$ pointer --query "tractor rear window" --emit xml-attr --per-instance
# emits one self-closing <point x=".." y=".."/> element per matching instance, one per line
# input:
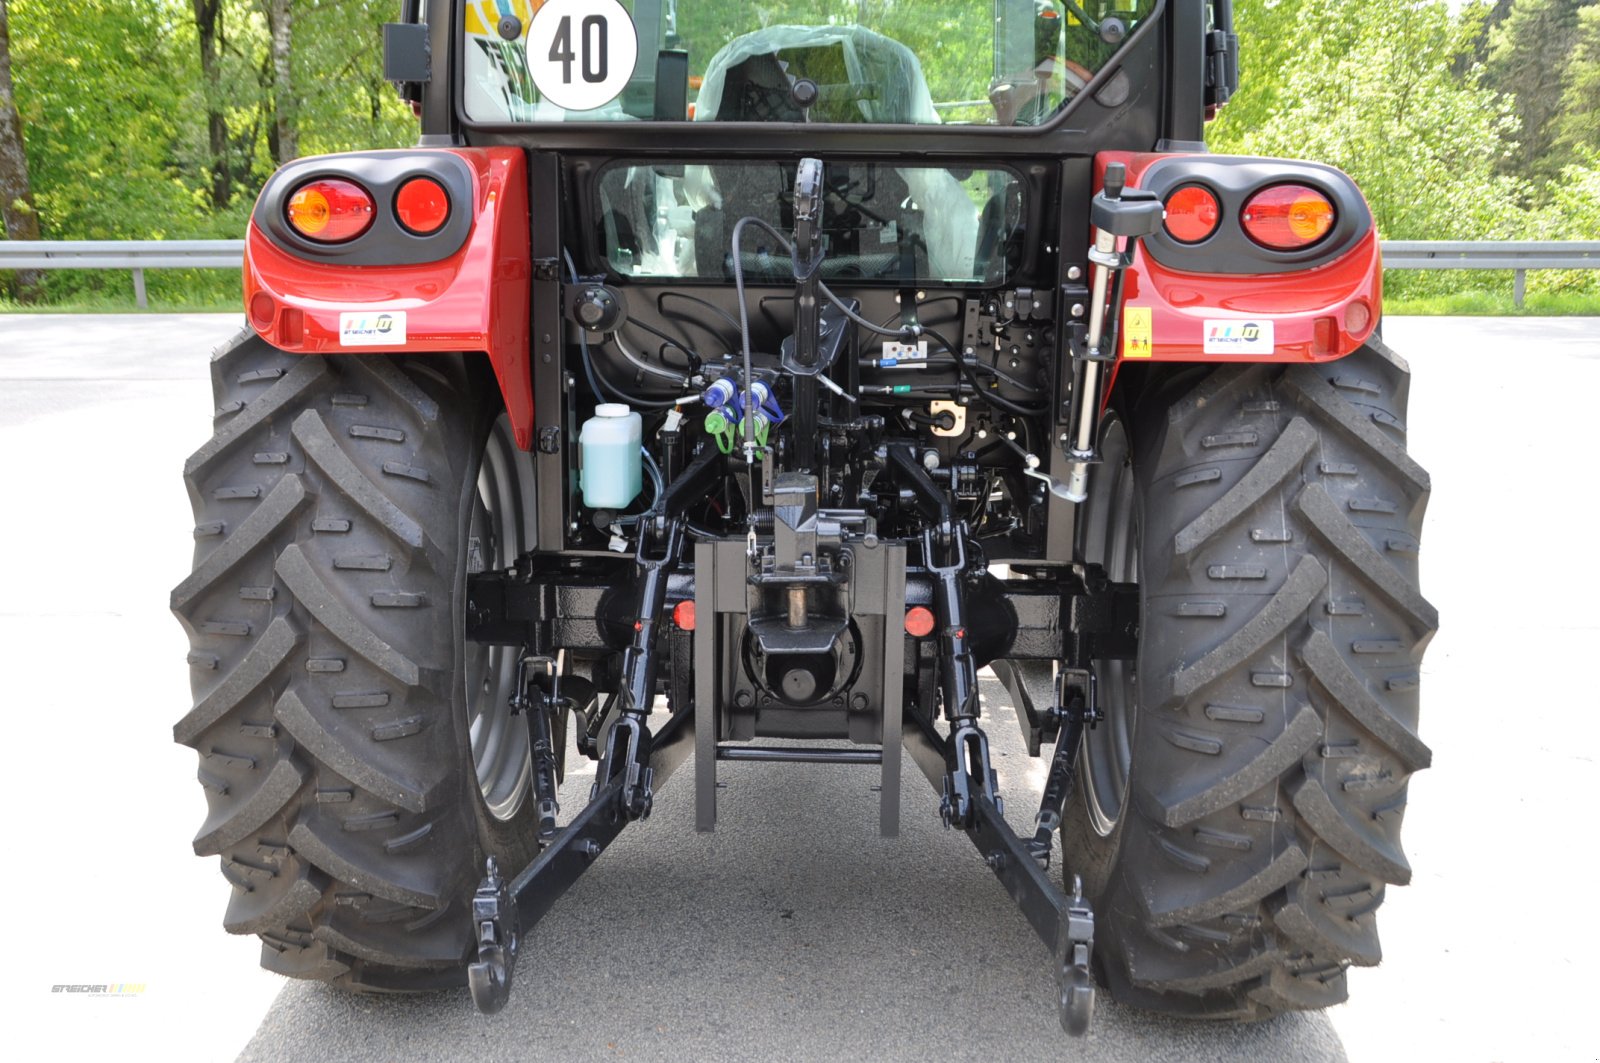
<point x="897" y="62"/>
<point x="880" y="222"/>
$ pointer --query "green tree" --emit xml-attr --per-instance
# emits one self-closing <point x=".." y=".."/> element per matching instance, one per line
<point x="1577" y="124"/>
<point x="95" y="83"/>
<point x="1372" y="91"/>
<point x="1527" y="57"/>
<point x="17" y="217"/>
<point x="342" y="102"/>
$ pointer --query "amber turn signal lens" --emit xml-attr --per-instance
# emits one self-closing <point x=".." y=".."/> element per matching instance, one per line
<point x="1192" y="214"/>
<point x="1287" y="217"/>
<point x="422" y="205"/>
<point x="330" y="210"/>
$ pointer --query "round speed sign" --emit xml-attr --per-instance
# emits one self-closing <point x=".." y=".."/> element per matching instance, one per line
<point x="581" y="52"/>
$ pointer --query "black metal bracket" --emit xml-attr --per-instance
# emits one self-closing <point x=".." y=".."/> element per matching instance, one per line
<point x="1064" y="923"/>
<point x="502" y="912"/>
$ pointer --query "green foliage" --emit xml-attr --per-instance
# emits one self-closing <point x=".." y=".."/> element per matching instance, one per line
<point x="344" y="103"/>
<point x="1373" y="93"/>
<point x="114" y="106"/>
<point x="94" y="85"/>
<point x="1528" y="55"/>
<point x="1577" y="124"/>
<point x="1479" y="121"/>
<point x="1391" y="92"/>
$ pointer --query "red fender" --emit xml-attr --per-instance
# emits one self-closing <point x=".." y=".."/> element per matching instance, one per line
<point x="475" y="300"/>
<point x="1315" y="314"/>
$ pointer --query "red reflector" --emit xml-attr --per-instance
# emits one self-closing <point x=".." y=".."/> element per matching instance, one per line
<point x="919" y="621"/>
<point x="683" y="614"/>
<point x="1287" y="217"/>
<point x="1357" y="316"/>
<point x="262" y="309"/>
<point x="330" y="210"/>
<point x="291" y="327"/>
<point x="1324" y="335"/>
<point x="1192" y="214"/>
<point x="422" y="205"/>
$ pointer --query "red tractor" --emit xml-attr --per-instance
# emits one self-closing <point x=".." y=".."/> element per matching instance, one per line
<point x="740" y="384"/>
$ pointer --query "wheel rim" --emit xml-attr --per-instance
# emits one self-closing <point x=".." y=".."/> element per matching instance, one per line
<point x="500" y="750"/>
<point x="1111" y="526"/>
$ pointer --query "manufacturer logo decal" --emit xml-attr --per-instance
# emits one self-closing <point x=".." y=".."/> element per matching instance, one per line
<point x="1238" y="337"/>
<point x="372" y="328"/>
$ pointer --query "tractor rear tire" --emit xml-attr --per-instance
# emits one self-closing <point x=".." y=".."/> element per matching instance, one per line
<point x="337" y="510"/>
<point x="1242" y="801"/>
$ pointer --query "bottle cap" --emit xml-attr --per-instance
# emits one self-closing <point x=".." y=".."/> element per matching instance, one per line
<point x="612" y="409"/>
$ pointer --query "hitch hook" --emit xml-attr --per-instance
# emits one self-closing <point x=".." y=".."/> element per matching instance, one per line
<point x="494" y="913"/>
<point x="1074" y="945"/>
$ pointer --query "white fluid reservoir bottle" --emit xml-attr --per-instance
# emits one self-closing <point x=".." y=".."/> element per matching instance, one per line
<point x="609" y="446"/>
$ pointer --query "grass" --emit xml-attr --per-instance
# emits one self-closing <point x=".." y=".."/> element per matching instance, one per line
<point x="170" y="291"/>
<point x="1492" y="304"/>
<point x="107" y="305"/>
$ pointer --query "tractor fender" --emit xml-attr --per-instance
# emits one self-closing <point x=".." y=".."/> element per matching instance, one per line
<point x="388" y="290"/>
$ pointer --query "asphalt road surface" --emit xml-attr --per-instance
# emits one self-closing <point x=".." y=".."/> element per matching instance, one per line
<point x="794" y="932"/>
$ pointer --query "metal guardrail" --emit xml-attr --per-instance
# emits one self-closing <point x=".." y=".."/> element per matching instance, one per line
<point x="135" y="255"/>
<point x="1519" y="256"/>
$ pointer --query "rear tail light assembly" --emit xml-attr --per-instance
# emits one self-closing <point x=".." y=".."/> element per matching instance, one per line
<point x="1284" y="217"/>
<point x="386" y="208"/>
<point x="422" y="205"/>
<point x="1192" y="214"/>
<point x="1287" y="217"/>
<point x="330" y="210"/>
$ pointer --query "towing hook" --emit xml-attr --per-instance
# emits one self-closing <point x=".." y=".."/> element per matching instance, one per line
<point x="494" y="914"/>
<point x="1074" y="946"/>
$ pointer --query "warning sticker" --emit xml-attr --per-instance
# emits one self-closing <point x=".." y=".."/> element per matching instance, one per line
<point x="372" y="328"/>
<point x="1136" y="332"/>
<point x="1238" y="337"/>
<point x="581" y="53"/>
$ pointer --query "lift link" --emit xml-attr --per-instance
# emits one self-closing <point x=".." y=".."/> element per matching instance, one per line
<point x="538" y="705"/>
<point x="628" y="747"/>
<point x="969" y="771"/>
<point x="1078" y="709"/>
